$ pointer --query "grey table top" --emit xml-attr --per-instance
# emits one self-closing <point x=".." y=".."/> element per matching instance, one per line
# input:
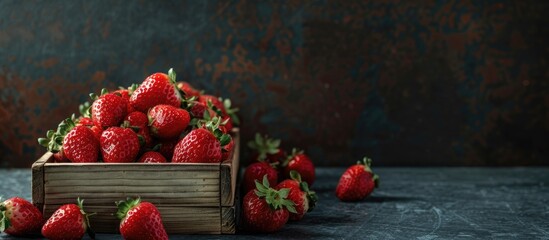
<point x="412" y="203"/>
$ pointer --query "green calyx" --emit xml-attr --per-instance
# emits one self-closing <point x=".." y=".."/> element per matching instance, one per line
<point x="125" y="206"/>
<point x="231" y="111"/>
<point x="311" y="195"/>
<point x="264" y="145"/>
<point x="4" y="221"/>
<point x="85" y="109"/>
<point x="80" y="203"/>
<point x="275" y="199"/>
<point x="54" y="139"/>
<point x="212" y="125"/>
<point x="94" y="96"/>
<point x="367" y="162"/>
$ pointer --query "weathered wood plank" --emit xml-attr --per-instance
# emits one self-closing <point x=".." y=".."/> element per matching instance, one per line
<point x="191" y="190"/>
<point x="132" y="182"/>
<point x="228" y="220"/>
<point x="38" y="179"/>
<point x="130" y="175"/>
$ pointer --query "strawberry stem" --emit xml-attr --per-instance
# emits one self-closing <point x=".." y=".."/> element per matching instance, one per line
<point x="125" y="206"/>
<point x="89" y="230"/>
<point x="264" y="145"/>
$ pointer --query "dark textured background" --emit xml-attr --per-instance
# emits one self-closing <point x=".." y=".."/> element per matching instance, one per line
<point x="407" y="83"/>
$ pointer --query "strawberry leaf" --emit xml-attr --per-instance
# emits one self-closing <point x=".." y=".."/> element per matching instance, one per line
<point x="224" y="139"/>
<point x="4" y="221"/>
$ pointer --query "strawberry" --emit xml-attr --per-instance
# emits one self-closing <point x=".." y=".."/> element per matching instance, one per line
<point x="357" y="182"/>
<point x="304" y="199"/>
<point x="19" y="217"/>
<point x="256" y="171"/>
<point x="156" y="89"/>
<point x="168" y="121"/>
<point x="202" y="145"/>
<point x="84" y="121"/>
<point x="68" y="222"/>
<point x="140" y="220"/>
<point x="301" y="163"/>
<point x="230" y="114"/>
<point x="119" y="145"/>
<point x="108" y="110"/>
<point x="96" y="132"/>
<point x="78" y="143"/>
<point x="189" y="90"/>
<point x="152" y="157"/>
<point x="267" y="149"/>
<point x="140" y="120"/>
<point x="227" y="150"/>
<point x="125" y="94"/>
<point x="59" y="157"/>
<point x="266" y="209"/>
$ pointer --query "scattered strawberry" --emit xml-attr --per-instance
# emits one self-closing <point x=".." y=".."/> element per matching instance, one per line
<point x="256" y="171"/>
<point x="19" y="217"/>
<point x="140" y="220"/>
<point x="108" y="110"/>
<point x="188" y="89"/>
<point x="301" y="163"/>
<point x="78" y="143"/>
<point x="168" y="121"/>
<point x="152" y="157"/>
<point x="266" y="209"/>
<point x="202" y="145"/>
<point x="227" y="150"/>
<point x="156" y="89"/>
<point x="304" y="199"/>
<point x="357" y="182"/>
<point x="68" y="222"/>
<point x="267" y="149"/>
<point x="119" y="145"/>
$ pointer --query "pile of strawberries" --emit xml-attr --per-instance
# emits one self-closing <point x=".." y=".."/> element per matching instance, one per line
<point x="157" y="121"/>
<point x="266" y="208"/>
<point x="138" y="220"/>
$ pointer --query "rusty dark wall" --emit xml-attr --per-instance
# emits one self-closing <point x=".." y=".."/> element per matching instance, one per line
<point x="407" y="83"/>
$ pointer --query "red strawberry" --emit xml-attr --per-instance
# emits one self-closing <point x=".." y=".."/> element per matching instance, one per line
<point x="256" y="171"/>
<point x="126" y="94"/>
<point x="267" y="149"/>
<point x="202" y="145"/>
<point x="80" y="145"/>
<point x="227" y="151"/>
<point x="156" y="89"/>
<point x="266" y="209"/>
<point x="84" y="121"/>
<point x="304" y="199"/>
<point x="301" y="163"/>
<point x="78" y="142"/>
<point x="108" y="110"/>
<point x="19" y="217"/>
<point x="188" y="90"/>
<point x="152" y="157"/>
<point x="96" y="132"/>
<point x="357" y="182"/>
<point x="214" y="101"/>
<point x="60" y="157"/>
<point x="68" y="222"/>
<point x="167" y="147"/>
<point x="167" y="121"/>
<point x="119" y="145"/>
<point x="140" y="120"/>
<point x="140" y="220"/>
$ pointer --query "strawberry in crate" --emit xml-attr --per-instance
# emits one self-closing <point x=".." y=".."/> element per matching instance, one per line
<point x="123" y="125"/>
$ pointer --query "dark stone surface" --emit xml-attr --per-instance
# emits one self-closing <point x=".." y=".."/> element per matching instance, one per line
<point x="412" y="203"/>
<point x="404" y="82"/>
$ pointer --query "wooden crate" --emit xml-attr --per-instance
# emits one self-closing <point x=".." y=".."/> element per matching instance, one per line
<point x="192" y="198"/>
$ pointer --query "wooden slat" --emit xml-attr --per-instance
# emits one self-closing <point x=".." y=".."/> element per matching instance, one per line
<point x="150" y="167"/>
<point x="171" y="201"/>
<point x="130" y="175"/>
<point x="228" y="173"/>
<point x="38" y="179"/>
<point x="186" y="189"/>
<point x="133" y="182"/>
<point x="228" y="220"/>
